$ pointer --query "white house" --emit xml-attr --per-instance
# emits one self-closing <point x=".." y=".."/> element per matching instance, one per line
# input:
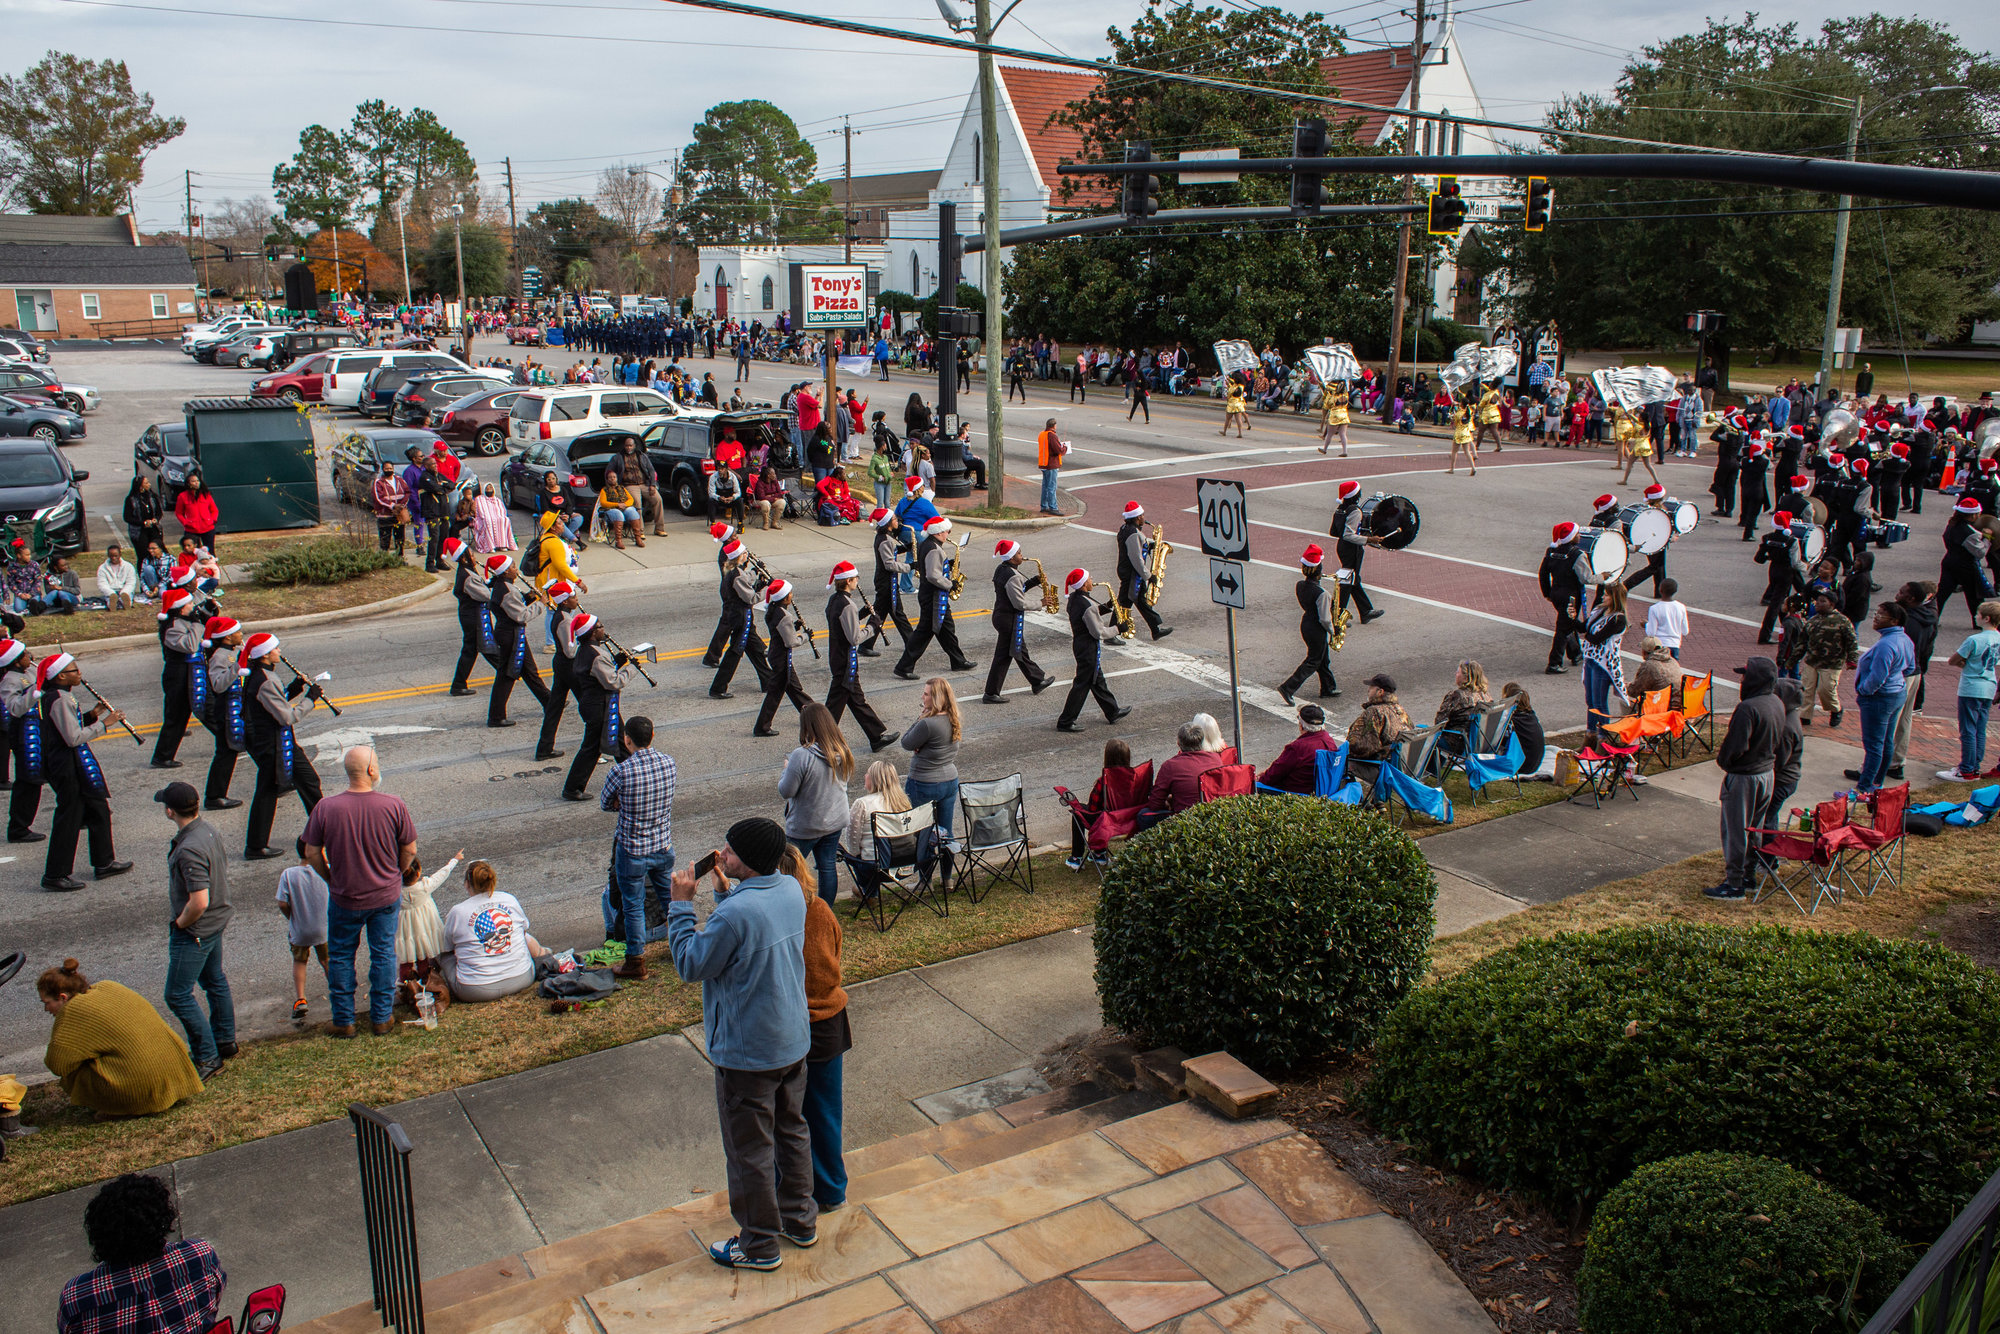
<point x="753" y="282"/>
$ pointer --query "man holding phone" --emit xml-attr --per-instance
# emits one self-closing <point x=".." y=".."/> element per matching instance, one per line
<point x="640" y="788"/>
<point x="750" y="960"/>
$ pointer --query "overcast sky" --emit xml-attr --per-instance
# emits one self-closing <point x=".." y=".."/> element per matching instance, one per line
<point x="570" y="89"/>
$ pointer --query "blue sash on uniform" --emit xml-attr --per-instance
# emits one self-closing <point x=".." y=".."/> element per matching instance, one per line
<point x="92" y="774"/>
<point x="31" y="747"/>
<point x="520" y="651"/>
<point x="612" y="726"/>
<point x="232" y="718"/>
<point x="487" y="643"/>
<point x="1020" y="632"/>
<point x="287" y="755"/>
<point x="198" y="684"/>
<point x="853" y="665"/>
<point x="749" y="628"/>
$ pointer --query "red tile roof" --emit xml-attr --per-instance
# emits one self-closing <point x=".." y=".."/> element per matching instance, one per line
<point x="1367" y="76"/>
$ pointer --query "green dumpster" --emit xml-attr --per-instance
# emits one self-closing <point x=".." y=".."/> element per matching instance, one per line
<point x="257" y="456"/>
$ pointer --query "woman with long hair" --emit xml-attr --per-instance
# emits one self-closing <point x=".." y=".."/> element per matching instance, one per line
<point x="197" y="512"/>
<point x="1469" y="693"/>
<point x="933" y="742"/>
<point x="814" y="786"/>
<point x="143" y="513"/>
<point x="826" y="1012"/>
<point x="1603" y="667"/>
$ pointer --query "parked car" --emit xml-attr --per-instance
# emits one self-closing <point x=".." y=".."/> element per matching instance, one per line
<point x="581" y="456"/>
<point x="254" y="347"/>
<point x="300" y="380"/>
<point x="18" y="346"/>
<point x="226" y="325"/>
<point x="348" y="369"/>
<point x="33" y="382"/>
<point x="40" y="418"/>
<point x="477" y="423"/>
<point x="208" y="347"/>
<point x="360" y="455"/>
<point x="431" y="391"/>
<point x="296" y="343"/>
<point x="380" y="386"/>
<point x="164" y="453"/>
<point x="557" y="413"/>
<point x="679" y="447"/>
<point x="528" y="335"/>
<point x="35" y="478"/>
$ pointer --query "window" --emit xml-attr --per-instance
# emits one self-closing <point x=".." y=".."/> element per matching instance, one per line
<point x="159" y="305"/>
<point x="768" y="293"/>
<point x="91" y="310"/>
<point x="570" y="409"/>
<point x="916" y="276"/>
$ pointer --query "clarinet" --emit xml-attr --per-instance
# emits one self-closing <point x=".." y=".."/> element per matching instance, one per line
<point x="308" y="680"/>
<point x="112" y="708"/>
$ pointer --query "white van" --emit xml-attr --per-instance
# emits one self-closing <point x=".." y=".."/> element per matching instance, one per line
<point x="346" y="369"/>
<point x="557" y="412"/>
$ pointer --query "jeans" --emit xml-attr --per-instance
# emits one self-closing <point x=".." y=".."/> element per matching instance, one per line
<point x="1596" y="694"/>
<point x="59" y="600"/>
<point x="192" y="963"/>
<point x="630" y="515"/>
<point x="344" y="929"/>
<point x="1972" y="715"/>
<point x="882" y="495"/>
<point x="944" y="794"/>
<point x="633" y="872"/>
<point x="822" y="1110"/>
<point x="1878" y="736"/>
<point x="1049" y="478"/>
<point x="824" y="853"/>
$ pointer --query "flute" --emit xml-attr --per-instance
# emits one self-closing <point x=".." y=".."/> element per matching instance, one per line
<point x="112" y="708"/>
<point x="324" y="676"/>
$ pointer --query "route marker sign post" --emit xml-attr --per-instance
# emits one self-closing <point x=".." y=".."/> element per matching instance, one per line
<point x="1225" y="539"/>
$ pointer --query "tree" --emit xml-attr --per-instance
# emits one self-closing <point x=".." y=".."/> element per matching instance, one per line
<point x="320" y="184"/>
<point x="748" y="176"/>
<point x="561" y="231"/>
<point x="384" y="153"/>
<point x="629" y="204"/>
<point x="74" y="135"/>
<point x="1289" y="283"/>
<point x="1623" y="261"/>
<point x="360" y="268"/>
<point x="485" y="262"/>
<point x="374" y="142"/>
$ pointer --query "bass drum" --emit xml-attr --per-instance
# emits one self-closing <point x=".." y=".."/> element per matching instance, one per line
<point x="1812" y="541"/>
<point x="1819" y="511"/>
<point x="1394" y="519"/>
<point x="1606" y="550"/>
<point x="1647" y="529"/>
<point x="1685" y="516"/>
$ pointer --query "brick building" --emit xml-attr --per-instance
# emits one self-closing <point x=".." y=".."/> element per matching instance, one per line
<point x="74" y="277"/>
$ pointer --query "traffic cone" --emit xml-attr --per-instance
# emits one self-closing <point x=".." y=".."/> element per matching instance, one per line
<point x="1950" y="475"/>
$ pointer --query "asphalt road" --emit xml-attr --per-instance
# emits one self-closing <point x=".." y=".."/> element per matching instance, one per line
<point x="1465" y="590"/>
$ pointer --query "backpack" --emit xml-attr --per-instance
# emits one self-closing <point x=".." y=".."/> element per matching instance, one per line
<point x="531" y="558"/>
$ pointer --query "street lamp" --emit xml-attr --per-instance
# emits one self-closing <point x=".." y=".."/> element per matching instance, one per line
<point x="464" y="316"/>
<point x="1840" y="228"/>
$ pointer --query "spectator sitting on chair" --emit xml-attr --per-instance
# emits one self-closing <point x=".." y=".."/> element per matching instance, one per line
<point x="1461" y="705"/>
<point x="1177" y="785"/>
<point x="1657" y="671"/>
<point x="1297" y="767"/>
<point x="1211" y="733"/>
<point x="1527" y="727"/>
<point x="144" y="1283"/>
<point x="1373" y="735"/>
<point x="885" y="793"/>
<point x="1117" y="755"/>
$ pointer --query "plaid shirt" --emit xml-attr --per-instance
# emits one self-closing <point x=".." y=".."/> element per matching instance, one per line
<point x="641" y="789"/>
<point x="178" y="1293"/>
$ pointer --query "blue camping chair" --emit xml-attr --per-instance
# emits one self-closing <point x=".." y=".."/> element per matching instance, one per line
<point x="1481" y="770"/>
<point x="1330" y="779"/>
<point x="1398" y="784"/>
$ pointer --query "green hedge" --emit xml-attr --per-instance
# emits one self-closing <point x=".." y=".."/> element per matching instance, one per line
<point x="1559" y="1065"/>
<point x="1277" y="928"/>
<point x="1724" y="1243"/>
<point x="325" y="560"/>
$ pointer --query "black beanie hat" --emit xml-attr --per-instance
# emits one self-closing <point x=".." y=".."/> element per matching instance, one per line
<point x="758" y="842"/>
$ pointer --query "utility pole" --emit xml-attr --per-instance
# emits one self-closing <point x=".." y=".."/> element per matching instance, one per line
<point x="513" y="228"/>
<point x="403" y="235"/>
<point x="1406" y="229"/>
<point x="1839" y="261"/>
<point x="673" y="214"/>
<point x="464" y="317"/>
<point x="989" y="260"/>
<point x="847" y="196"/>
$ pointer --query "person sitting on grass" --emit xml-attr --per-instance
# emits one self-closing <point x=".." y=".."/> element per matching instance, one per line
<point x="145" y="1281"/>
<point x="156" y="571"/>
<point x="109" y="1047"/>
<point x="117" y="579"/>
<point x="302" y="899"/>
<point x="64" y="594"/>
<point x="489" y="953"/>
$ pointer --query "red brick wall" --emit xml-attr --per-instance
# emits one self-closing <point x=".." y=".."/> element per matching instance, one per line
<point x="115" y="305"/>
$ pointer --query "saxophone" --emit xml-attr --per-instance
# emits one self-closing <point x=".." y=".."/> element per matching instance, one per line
<point x="1341" y="615"/>
<point x="1051" y="599"/>
<point x="957" y="578"/>
<point x="1156" y="572"/>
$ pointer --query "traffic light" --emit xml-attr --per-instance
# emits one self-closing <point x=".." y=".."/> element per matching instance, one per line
<point x="1308" y="191"/>
<point x="1540" y="200"/>
<point x="1447" y="211"/>
<point x="1139" y="195"/>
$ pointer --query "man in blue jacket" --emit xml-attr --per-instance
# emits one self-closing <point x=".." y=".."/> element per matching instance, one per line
<point x="750" y="960"/>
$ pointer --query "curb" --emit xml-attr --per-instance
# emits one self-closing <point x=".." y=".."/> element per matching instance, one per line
<point x="397" y="603"/>
<point x="1024" y="525"/>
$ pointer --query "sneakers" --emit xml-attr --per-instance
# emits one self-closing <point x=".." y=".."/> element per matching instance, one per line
<point x="1957" y="776"/>
<point x="803" y="1240"/>
<point x="1076" y="863"/>
<point x="731" y="1255"/>
<point x="1726" y="893"/>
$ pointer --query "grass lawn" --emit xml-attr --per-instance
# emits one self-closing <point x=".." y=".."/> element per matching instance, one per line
<point x="289" y="1082"/>
<point x="1931" y="375"/>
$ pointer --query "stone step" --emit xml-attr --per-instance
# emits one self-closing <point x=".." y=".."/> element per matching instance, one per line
<point x="1054" y="1102"/>
<point x="1047" y="1130"/>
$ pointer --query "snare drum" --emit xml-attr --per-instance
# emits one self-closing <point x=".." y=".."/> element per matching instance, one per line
<point x="1887" y="532"/>
<point x="1685" y="515"/>
<point x="1606" y="551"/>
<point x="1646" y="528"/>
<point x="1812" y="540"/>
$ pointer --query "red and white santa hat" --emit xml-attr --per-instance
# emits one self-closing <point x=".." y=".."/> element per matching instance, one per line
<point x="777" y="592"/>
<point x="1781" y="520"/>
<point x="1755" y="449"/>
<point x="1966" y="505"/>
<point x="721" y="532"/>
<point x="880" y="518"/>
<point x="844" y="570"/>
<point x="1005" y="550"/>
<point x="560" y="589"/>
<point x="219" y="627"/>
<point x="1859" y="467"/>
<point x="1561" y="533"/>
<point x="937" y="526"/>
<point x="1133" y="509"/>
<point x="10" y="651"/>
<point x="1607" y="501"/>
<point x="173" y="600"/>
<point x="1655" y="492"/>
<point x="1900" y="450"/>
<point x="257" y="646"/>
<point x="1076" y="579"/>
<point x="1739" y="421"/>
<point x="1800" y="481"/>
<point x="1349" y="489"/>
<point x="183" y="576"/>
<point x="1836" y="458"/>
<point x="732" y="549"/>
<point x="1798" y="431"/>
<point x="581" y="624"/>
<point x="497" y="563"/>
<point x="1312" y="557"/>
<point x="51" y="667"/>
<point x="454" y="550"/>
<point x="1989" y="465"/>
<point x="913" y="484"/>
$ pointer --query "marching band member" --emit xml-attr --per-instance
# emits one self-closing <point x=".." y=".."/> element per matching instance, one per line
<point x="726" y="623"/>
<point x="934" y="608"/>
<point x="844" y="617"/>
<point x="17" y="697"/>
<point x="1655" y="567"/>
<point x="781" y="678"/>
<point x="890" y="567"/>
<point x="1779" y="553"/>
<point x="1728" y="438"/>
<point x="1133" y="553"/>
<point x="1963" y="549"/>
<point x="223" y="716"/>
<point x="180" y="648"/>
<point x="513" y="659"/>
<point x="72" y="773"/>
<point x="1564" y="572"/>
<point x="1604" y="511"/>
<point x="1796" y="498"/>
<point x="598" y="677"/>
<point x="1010" y="617"/>
<point x="1316" y="612"/>
<point x="1090" y="625"/>
<point x="563" y="607"/>
<point x="269" y="715"/>
<point x="465" y="579"/>
<point x="740" y="596"/>
<point x="1889" y="485"/>
<point x="1750" y="484"/>
<point x="1350" y="544"/>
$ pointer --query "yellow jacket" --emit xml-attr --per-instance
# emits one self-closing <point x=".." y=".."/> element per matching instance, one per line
<point x="554" y="553"/>
<point x="1489" y="408"/>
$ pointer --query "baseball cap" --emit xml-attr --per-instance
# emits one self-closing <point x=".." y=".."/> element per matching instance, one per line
<point x="180" y="798"/>
<point x="1312" y="715"/>
<point x="1382" y="680"/>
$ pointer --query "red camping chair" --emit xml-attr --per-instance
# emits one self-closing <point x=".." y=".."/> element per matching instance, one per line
<point x="1228" y="780"/>
<point x="1877" y="841"/>
<point x="1113" y="810"/>
<point x="1602" y="768"/>
<point x="1816" y="854"/>
<point x="263" y="1313"/>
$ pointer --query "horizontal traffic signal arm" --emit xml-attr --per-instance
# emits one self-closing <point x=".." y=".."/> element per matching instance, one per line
<point x="1118" y="222"/>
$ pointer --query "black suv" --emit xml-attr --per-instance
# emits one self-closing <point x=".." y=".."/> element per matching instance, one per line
<point x="433" y="391"/>
<point x="680" y="445"/>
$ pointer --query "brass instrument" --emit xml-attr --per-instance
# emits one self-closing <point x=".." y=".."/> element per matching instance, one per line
<point x="1121" y="615"/>
<point x="1156" y="572"/>
<point x="1341" y="615"/>
<point x="958" y="569"/>
<point x="1051" y="599"/>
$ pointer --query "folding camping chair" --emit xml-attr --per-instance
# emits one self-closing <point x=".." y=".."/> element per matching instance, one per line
<point x="1882" y="837"/>
<point x="1482" y="770"/>
<point x="1228" y="780"/>
<point x="1113" y="810"/>
<point x="904" y="866"/>
<point x="1330" y="780"/>
<point x="1818" y="854"/>
<point x="1697" y="717"/>
<point x="1654" y="728"/>
<point x="1398" y="781"/>
<point x="996" y="836"/>
<point x="1602" y="768"/>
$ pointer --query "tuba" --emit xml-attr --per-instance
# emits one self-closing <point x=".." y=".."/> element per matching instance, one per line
<point x="1156" y="572"/>
<point x="1051" y="599"/>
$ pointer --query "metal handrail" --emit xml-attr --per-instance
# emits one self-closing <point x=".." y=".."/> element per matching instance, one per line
<point x="389" y="1210"/>
<point x="135" y="328"/>
<point x="1943" y="1274"/>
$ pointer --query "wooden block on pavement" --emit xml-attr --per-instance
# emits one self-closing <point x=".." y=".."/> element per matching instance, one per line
<point x="1229" y="1086"/>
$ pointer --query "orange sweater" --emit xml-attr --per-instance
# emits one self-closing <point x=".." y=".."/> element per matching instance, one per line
<point x="825" y="997"/>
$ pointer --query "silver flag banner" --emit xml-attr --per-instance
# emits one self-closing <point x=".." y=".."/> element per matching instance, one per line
<point x="1236" y="355"/>
<point x="1634" y="386"/>
<point x="1474" y="361"/>
<point x="1334" y="361"/>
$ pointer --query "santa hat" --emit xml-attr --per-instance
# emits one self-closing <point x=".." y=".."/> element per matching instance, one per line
<point x="50" y="668"/>
<point x="560" y="589"/>
<point x="844" y="570"/>
<point x="454" y="550"/>
<point x="1755" y="449"/>
<point x="173" y="600"/>
<point x="1076" y="579"/>
<point x="219" y="627"/>
<point x="1838" y="460"/>
<point x="1656" y="492"/>
<point x="1900" y="450"/>
<point x="1966" y="505"/>
<point x="1312" y="556"/>
<point x="1562" y="532"/>
<point x="1005" y="550"/>
<point x="937" y="526"/>
<point x="778" y="591"/>
<point x="1989" y="465"/>
<point x="880" y="518"/>
<point x="497" y="563"/>
<point x="1349" y="489"/>
<point x="721" y="532"/>
<point x="581" y="624"/>
<point x="1859" y="467"/>
<point x="183" y="576"/>
<point x="1798" y="431"/>
<point x="1739" y="421"/>
<point x="1607" y="501"/>
<point x="1799" y="481"/>
<point x="1782" y="519"/>
<point x="913" y="484"/>
<point x="731" y="549"/>
<point x="1134" y="510"/>
<point x="10" y="650"/>
<point x="257" y="646"/>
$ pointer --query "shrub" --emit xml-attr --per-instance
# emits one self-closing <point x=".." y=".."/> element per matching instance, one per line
<point x="325" y="560"/>
<point x="1278" y="928"/>
<point x="1559" y="1065"/>
<point x="1725" y="1243"/>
